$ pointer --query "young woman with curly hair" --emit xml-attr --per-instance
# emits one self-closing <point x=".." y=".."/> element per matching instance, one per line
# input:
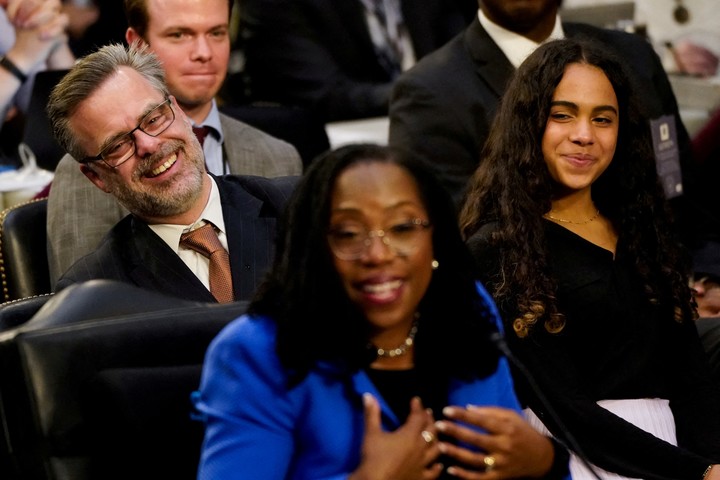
<point x="569" y="227"/>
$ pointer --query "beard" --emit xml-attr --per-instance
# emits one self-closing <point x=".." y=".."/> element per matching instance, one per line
<point x="172" y="197"/>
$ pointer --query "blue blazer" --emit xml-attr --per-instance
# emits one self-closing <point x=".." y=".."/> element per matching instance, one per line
<point x="257" y="428"/>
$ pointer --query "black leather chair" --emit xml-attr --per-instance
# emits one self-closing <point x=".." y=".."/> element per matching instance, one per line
<point x="24" y="269"/>
<point x="97" y="385"/>
<point x="16" y="312"/>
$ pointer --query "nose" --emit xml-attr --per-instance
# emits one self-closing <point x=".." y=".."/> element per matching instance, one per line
<point x="582" y="134"/>
<point x="145" y="145"/>
<point x="202" y="50"/>
<point x="377" y="250"/>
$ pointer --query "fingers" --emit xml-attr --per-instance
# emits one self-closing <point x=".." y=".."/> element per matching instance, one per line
<point x="54" y="27"/>
<point x="371" y="410"/>
<point x="419" y="417"/>
<point x="411" y="451"/>
<point x="506" y="445"/>
<point x="480" y="419"/>
<point x="492" y="420"/>
<point x="32" y="13"/>
<point x="432" y="472"/>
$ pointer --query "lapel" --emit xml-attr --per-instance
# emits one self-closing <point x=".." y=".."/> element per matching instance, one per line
<point x="153" y="265"/>
<point x="361" y="384"/>
<point x="230" y="147"/>
<point x="250" y="237"/>
<point x="490" y="62"/>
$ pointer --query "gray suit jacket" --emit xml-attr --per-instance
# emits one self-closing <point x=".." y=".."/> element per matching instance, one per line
<point x="80" y="214"/>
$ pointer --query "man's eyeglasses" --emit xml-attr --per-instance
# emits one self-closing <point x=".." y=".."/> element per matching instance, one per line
<point x="155" y="122"/>
<point x="351" y="242"/>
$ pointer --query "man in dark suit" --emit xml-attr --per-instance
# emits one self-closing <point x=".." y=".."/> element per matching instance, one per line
<point x="443" y="107"/>
<point x="323" y="54"/>
<point x="114" y="113"/>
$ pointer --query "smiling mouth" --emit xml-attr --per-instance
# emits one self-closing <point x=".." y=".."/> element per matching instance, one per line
<point x="164" y="167"/>
<point x="380" y="288"/>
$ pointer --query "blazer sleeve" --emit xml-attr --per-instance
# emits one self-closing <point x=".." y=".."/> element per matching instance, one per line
<point x="249" y="418"/>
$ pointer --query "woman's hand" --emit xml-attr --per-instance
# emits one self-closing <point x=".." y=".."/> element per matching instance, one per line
<point x="405" y="454"/>
<point x="32" y="13"/>
<point x="511" y="448"/>
<point x="39" y="30"/>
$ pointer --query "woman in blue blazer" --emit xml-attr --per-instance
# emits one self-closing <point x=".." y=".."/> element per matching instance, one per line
<point x="368" y="352"/>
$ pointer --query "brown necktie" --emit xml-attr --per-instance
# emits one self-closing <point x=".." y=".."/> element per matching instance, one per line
<point x="201" y="133"/>
<point x="205" y="241"/>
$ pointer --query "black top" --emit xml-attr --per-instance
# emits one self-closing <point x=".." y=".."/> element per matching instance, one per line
<point x="615" y="345"/>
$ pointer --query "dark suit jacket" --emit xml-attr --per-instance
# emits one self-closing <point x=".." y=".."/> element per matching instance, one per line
<point x="443" y="107"/>
<point x="318" y="53"/>
<point x="131" y="252"/>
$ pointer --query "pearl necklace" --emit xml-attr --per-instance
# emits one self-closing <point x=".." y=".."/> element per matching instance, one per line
<point x="563" y="220"/>
<point x="403" y="348"/>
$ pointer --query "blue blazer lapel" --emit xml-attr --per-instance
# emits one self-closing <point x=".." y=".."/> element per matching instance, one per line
<point x="362" y="384"/>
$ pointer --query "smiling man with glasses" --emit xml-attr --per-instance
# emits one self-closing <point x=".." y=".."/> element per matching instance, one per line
<point x="113" y="111"/>
<point x="191" y="38"/>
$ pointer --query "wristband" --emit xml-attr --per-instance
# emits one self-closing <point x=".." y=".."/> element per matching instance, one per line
<point x="8" y="65"/>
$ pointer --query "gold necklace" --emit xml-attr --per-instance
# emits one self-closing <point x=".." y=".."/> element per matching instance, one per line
<point x="563" y="220"/>
<point x="403" y="347"/>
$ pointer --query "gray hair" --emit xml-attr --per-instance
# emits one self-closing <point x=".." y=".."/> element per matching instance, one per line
<point x="87" y="75"/>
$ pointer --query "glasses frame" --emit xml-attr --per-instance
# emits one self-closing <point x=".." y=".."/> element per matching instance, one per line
<point x="99" y="156"/>
<point x="382" y="235"/>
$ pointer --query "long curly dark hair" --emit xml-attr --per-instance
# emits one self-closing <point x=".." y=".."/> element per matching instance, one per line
<point x="316" y="319"/>
<point x="513" y="188"/>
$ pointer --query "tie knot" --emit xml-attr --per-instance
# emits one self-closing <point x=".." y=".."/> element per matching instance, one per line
<point x="201" y="133"/>
<point x="203" y="240"/>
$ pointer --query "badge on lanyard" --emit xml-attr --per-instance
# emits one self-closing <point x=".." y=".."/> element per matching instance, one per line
<point x="667" y="155"/>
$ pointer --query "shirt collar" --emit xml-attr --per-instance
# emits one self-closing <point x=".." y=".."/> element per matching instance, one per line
<point x="212" y="213"/>
<point x="516" y="47"/>
<point x="213" y="121"/>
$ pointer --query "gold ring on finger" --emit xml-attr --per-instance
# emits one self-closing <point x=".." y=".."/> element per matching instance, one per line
<point x="429" y="437"/>
<point x="489" y="462"/>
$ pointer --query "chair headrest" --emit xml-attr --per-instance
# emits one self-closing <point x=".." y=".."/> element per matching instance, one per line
<point x="98" y="299"/>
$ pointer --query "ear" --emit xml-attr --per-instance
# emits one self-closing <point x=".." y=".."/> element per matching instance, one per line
<point x="93" y="176"/>
<point x="131" y="36"/>
<point x="179" y="112"/>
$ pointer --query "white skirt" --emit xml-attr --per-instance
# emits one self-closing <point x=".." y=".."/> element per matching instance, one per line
<point x="650" y="414"/>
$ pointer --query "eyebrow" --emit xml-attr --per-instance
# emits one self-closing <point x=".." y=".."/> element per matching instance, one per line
<point x="396" y="206"/>
<point x="574" y="106"/>
<point x="118" y="136"/>
<point x="192" y="30"/>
